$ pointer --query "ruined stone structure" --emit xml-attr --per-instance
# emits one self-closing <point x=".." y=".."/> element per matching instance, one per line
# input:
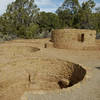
<point x="74" y="39"/>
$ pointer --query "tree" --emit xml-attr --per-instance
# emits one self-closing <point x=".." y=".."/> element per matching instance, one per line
<point x="72" y="5"/>
<point x="97" y="10"/>
<point x="48" y="21"/>
<point x="22" y="18"/>
<point x="66" y="18"/>
<point x="32" y="30"/>
<point x="97" y="19"/>
<point x="77" y="16"/>
<point x="67" y="12"/>
<point x="85" y="15"/>
<point x="19" y="15"/>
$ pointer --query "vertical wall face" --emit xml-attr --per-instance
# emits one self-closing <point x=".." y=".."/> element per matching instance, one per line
<point x="90" y="37"/>
<point x="87" y="37"/>
<point x="73" y="38"/>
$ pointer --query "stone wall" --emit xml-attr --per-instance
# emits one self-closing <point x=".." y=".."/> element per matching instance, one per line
<point x="73" y="38"/>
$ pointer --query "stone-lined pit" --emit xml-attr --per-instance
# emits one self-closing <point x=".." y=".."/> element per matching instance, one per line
<point x="18" y="49"/>
<point x="55" y="74"/>
<point x="39" y="74"/>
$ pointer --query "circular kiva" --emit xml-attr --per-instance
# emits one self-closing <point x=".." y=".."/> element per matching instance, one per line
<point x="19" y="49"/>
<point x="42" y="74"/>
<point x="38" y="74"/>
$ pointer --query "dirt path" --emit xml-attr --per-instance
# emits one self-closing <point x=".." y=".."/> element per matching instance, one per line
<point x="89" y="89"/>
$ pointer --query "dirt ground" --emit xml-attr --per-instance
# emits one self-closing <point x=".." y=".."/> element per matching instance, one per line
<point x="18" y="54"/>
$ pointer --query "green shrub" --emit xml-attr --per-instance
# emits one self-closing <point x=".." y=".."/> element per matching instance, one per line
<point x="31" y="31"/>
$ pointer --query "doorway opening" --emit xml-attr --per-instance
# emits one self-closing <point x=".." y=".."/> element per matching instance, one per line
<point x="82" y="37"/>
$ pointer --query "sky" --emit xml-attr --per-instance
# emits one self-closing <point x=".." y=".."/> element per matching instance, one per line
<point x="44" y="5"/>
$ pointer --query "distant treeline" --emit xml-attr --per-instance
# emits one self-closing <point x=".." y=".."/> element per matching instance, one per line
<point x="23" y="19"/>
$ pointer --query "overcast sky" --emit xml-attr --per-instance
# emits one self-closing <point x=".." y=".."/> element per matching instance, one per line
<point x="44" y="5"/>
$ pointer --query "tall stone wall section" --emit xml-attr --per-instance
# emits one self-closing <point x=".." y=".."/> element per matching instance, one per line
<point x="71" y="38"/>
